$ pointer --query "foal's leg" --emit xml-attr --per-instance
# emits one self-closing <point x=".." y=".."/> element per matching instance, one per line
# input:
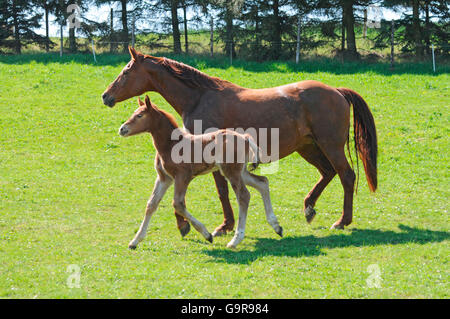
<point x="261" y="183"/>
<point x="243" y="198"/>
<point x="161" y="185"/>
<point x="222" y="189"/>
<point x="179" y="204"/>
<point x="182" y="225"/>
<point x="315" y="156"/>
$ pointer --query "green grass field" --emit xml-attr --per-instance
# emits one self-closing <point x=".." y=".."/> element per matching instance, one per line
<point x="73" y="192"/>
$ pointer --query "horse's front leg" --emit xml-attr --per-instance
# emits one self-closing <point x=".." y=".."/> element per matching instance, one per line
<point x="222" y="189"/>
<point x="160" y="188"/>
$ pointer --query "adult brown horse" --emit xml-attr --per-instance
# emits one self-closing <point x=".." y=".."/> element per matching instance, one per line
<point x="313" y="119"/>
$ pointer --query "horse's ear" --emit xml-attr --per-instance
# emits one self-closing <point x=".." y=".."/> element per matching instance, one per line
<point x="133" y="53"/>
<point x="140" y="101"/>
<point x="147" y="102"/>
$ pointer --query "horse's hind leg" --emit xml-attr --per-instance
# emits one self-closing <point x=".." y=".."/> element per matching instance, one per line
<point x="243" y="198"/>
<point x="222" y="189"/>
<point x="261" y="184"/>
<point x="336" y="156"/>
<point x="314" y="156"/>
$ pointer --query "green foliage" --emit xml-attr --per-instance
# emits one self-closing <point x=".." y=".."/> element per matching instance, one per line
<point x="18" y="19"/>
<point x="72" y="192"/>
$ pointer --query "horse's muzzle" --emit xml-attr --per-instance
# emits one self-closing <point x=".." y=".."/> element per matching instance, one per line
<point x="123" y="130"/>
<point x="108" y="100"/>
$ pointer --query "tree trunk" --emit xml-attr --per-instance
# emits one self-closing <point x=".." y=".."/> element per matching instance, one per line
<point x="416" y="30"/>
<point x="17" y="44"/>
<point x="349" y="19"/>
<point x="343" y="34"/>
<point x="257" y="35"/>
<point x="427" y="27"/>
<point x="186" y="43"/>
<point x="276" y="40"/>
<point x="72" y="40"/>
<point x="111" y="31"/>
<point x="175" y="27"/>
<point x="125" y="39"/>
<point x="229" y="46"/>
<point x="47" y="37"/>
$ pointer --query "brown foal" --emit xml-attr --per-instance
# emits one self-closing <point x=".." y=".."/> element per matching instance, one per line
<point x="173" y="169"/>
<point x="313" y="120"/>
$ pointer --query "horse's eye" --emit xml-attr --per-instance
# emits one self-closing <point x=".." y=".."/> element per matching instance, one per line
<point x="139" y="115"/>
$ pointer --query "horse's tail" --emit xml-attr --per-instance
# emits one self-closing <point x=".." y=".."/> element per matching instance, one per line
<point x="253" y="155"/>
<point x="365" y="135"/>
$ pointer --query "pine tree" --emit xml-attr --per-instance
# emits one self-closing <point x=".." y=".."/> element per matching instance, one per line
<point x="18" y="18"/>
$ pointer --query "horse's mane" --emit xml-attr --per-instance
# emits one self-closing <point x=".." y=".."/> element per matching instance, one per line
<point x="190" y="75"/>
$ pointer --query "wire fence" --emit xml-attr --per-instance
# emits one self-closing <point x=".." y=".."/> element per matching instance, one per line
<point x="305" y="40"/>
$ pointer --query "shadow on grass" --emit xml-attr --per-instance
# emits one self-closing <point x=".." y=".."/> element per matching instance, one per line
<point x="299" y="246"/>
<point x="320" y="64"/>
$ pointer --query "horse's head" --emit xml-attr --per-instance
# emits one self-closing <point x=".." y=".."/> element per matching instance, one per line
<point x="132" y="81"/>
<point x="141" y="120"/>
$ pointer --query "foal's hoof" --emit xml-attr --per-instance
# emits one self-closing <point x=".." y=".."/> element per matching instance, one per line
<point x="279" y="231"/>
<point x="337" y="225"/>
<point x="219" y="232"/>
<point x="210" y="238"/>
<point x="310" y="213"/>
<point x="184" y="230"/>
<point x="132" y="247"/>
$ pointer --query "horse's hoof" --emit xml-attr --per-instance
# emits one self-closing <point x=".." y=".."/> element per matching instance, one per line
<point x="132" y="247"/>
<point x="310" y="213"/>
<point x="210" y="238"/>
<point x="231" y="246"/>
<point x="337" y="225"/>
<point x="219" y="232"/>
<point x="279" y="231"/>
<point x="184" y="230"/>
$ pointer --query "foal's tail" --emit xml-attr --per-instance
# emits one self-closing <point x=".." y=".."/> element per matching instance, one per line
<point x="253" y="155"/>
<point x="365" y="135"/>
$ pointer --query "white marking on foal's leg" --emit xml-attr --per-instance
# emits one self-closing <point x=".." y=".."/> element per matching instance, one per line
<point x="197" y="224"/>
<point x="159" y="190"/>
<point x="263" y="187"/>
<point x="243" y="208"/>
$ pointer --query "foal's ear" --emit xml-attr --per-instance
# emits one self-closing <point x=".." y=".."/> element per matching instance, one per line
<point x="140" y="102"/>
<point x="134" y="54"/>
<point x="147" y="102"/>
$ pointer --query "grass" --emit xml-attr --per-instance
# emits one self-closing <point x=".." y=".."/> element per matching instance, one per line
<point x="73" y="193"/>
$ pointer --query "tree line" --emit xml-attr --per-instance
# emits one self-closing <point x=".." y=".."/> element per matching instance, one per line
<point x="262" y="29"/>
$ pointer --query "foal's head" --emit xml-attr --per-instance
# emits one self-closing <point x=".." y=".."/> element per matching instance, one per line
<point x="148" y="118"/>
<point x="142" y="120"/>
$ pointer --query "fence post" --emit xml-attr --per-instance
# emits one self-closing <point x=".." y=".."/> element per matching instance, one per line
<point x="432" y="53"/>
<point x="93" y="50"/>
<point x="297" y="53"/>
<point x="61" y="37"/>
<point x="231" y="52"/>
<point x="211" y="37"/>
<point x="111" y="30"/>
<point x="392" y="44"/>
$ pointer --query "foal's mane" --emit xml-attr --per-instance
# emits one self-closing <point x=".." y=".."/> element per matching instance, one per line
<point x="190" y="75"/>
<point x="169" y="117"/>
